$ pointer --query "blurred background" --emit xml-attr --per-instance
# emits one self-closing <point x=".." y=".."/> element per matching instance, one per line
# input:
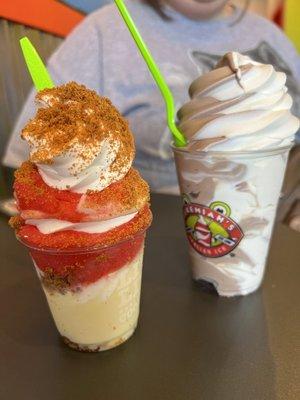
<point x="47" y="22"/>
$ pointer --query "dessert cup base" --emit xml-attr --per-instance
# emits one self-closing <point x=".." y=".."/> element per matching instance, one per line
<point x="213" y="288"/>
<point x="98" y="347"/>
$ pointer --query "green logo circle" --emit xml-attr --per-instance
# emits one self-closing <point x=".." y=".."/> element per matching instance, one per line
<point x="221" y="208"/>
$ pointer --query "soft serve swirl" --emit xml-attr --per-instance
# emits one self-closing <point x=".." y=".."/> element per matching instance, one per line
<point x="240" y="105"/>
<point x="78" y="140"/>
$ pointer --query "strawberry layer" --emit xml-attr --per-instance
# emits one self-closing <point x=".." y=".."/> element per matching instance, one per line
<point x="89" y="256"/>
<point x="37" y="200"/>
<point x="71" y="270"/>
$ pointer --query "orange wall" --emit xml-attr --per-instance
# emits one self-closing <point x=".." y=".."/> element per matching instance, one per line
<point x="47" y="15"/>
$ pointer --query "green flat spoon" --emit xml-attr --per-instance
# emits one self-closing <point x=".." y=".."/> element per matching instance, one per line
<point x="39" y="74"/>
<point x="179" y="138"/>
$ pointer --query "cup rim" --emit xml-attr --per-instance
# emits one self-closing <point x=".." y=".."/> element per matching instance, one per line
<point x="218" y="153"/>
<point x="81" y="250"/>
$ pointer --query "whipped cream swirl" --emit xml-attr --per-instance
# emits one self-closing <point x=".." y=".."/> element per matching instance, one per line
<point x="78" y="140"/>
<point x="52" y="225"/>
<point x="240" y="105"/>
<point x="67" y="172"/>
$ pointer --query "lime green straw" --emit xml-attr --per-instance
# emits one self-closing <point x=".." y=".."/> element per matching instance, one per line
<point x="35" y="65"/>
<point x="179" y="138"/>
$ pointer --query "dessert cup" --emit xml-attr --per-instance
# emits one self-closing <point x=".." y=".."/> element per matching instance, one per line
<point x="93" y="293"/>
<point x="83" y="215"/>
<point x="229" y="207"/>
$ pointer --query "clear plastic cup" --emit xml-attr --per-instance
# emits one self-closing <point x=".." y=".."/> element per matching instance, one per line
<point x="93" y="293"/>
<point x="229" y="208"/>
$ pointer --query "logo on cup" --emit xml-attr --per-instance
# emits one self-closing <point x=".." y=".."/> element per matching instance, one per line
<point x="210" y="231"/>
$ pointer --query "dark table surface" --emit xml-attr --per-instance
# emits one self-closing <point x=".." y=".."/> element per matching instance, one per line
<point x="190" y="345"/>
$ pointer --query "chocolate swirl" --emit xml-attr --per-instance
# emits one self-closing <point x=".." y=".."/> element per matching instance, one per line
<point x="240" y="105"/>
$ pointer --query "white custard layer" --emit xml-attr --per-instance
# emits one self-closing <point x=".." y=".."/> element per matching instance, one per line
<point x="102" y="314"/>
<point x="47" y="226"/>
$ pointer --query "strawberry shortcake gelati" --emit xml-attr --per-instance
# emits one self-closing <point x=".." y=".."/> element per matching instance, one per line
<point x="83" y="214"/>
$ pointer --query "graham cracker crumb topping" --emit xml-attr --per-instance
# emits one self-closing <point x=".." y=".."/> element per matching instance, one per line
<point x="78" y="121"/>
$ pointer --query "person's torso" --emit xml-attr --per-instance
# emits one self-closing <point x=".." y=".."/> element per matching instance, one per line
<point x="183" y="50"/>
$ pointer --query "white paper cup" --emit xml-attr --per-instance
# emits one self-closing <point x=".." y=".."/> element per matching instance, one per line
<point x="229" y="208"/>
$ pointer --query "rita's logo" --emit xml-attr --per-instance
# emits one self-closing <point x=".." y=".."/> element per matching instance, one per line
<point x="209" y="229"/>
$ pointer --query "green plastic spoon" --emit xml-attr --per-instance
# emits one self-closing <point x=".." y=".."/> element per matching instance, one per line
<point x="35" y="65"/>
<point x="179" y="138"/>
